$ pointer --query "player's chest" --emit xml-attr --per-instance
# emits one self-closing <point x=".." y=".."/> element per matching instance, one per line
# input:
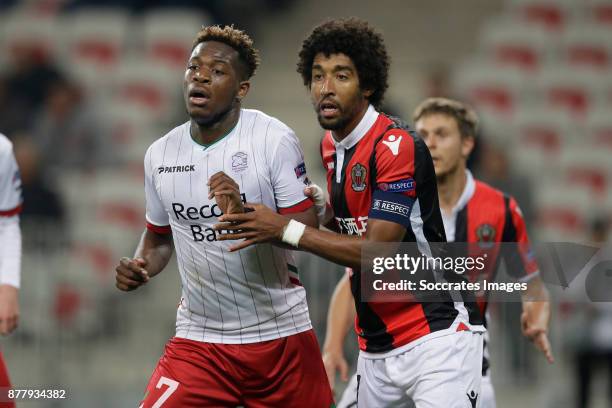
<point x="183" y="184"/>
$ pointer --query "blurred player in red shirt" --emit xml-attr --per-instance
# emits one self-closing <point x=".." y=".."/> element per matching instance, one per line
<point x="472" y="212"/>
<point x="10" y="252"/>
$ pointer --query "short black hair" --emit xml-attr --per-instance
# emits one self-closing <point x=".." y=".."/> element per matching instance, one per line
<point x="360" y="42"/>
<point x="237" y="39"/>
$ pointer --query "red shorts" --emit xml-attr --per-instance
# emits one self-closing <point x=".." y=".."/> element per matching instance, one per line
<point x="5" y="384"/>
<point x="287" y="372"/>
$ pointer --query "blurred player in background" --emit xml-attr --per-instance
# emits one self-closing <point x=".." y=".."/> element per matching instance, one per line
<point x="243" y="332"/>
<point x="472" y="212"/>
<point x="409" y="350"/>
<point x="10" y="251"/>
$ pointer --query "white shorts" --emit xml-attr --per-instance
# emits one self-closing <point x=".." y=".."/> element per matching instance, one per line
<point x="444" y="372"/>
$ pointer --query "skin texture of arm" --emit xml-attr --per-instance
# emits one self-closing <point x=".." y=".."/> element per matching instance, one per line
<point x="340" y="316"/>
<point x="264" y="225"/>
<point x="152" y="255"/>
<point x="536" y="316"/>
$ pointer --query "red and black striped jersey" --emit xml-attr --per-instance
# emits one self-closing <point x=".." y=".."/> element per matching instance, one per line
<point x="484" y="214"/>
<point x="383" y="170"/>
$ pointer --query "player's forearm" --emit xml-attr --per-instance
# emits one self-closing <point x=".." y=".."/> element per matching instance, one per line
<point x="536" y="291"/>
<point x="156" y="249"/>
<point x="341" y="249"/>
<point x="340" y="315"/>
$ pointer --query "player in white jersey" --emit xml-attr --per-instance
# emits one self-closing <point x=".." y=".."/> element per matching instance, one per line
<point x="10" y="251"/>
<point x="243" y="333"/>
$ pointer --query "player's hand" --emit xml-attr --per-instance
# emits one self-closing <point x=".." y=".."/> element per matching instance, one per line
<point x="9" y="309"/>
<point x="261" y="224"/>
<point x="131" y="274"/>
<point x="226" y="193"/>
<point x="534" y="324"/>
<point x="324" y="211"/>
<point x="335" y="361"/>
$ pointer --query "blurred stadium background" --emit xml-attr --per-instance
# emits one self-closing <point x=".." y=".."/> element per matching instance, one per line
<point x="86" y="86"/>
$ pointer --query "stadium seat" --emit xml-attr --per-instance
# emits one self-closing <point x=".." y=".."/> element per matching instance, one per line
<point x="599" y="128"/>
<point x="599" y="11"/>
<point x="486" y="84"/>
<point x="94" y="42"/>
<point x="39" y="33"/>
<point x="562" y="210"/>
<point x="510" y="42"/>
<point x="572" y="89"/>
<point x="550" y="14"/>
<point x="584" y="44"/>
<point x="155" y="90"/>
<point x="169" y="34"/>
<point x="545" y="128"/>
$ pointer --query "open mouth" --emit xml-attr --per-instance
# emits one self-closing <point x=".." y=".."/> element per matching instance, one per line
<point x="198" y="97"/>
<point x="329" y="109"/>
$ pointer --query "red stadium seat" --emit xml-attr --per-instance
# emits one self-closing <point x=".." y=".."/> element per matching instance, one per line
<point x="489" y="86"/>
<point x="510" y="42"/>
<point x="588" y="45"/>
<point x="168" y="35"/>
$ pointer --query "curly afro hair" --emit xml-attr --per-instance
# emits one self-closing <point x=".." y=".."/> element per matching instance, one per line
<point x="360" y="42"/>
<point x="237" y="39"/>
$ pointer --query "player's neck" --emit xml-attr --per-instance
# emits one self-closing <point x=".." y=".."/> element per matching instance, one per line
<point x="207" y="134"/>
<point x="340" y="134"/>
<point x="450" y="188"/>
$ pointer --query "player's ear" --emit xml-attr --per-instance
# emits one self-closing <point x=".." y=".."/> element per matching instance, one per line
<point x="243" y="90"/>
<point x="467" y="145"/>
<point x="367" y="93"/>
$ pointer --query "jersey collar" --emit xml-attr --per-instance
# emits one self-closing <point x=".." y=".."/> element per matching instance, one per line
<point x="365" y="124"/>
<point x="468" y="192"/>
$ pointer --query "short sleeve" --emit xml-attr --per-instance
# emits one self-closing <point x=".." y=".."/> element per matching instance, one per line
<point x="288" y="174"/>
<point x="522" y="263"/>
<point x="395" y="186"/>
<point x="156" y="215"/>
<point x="10" y="183"/>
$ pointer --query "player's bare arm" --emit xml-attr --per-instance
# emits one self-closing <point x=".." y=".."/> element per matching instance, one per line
<point x="340" y="315"/>
<point x="536" y="316"/>
<point x="264" y="225"/>
<point x="151" y="257"/>
<point x="227" y="195"/>
<point x="9" y="309"/>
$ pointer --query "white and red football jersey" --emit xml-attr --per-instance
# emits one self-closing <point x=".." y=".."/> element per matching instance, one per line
<point x="10" y="206"/>
<point x="246" y="296"/>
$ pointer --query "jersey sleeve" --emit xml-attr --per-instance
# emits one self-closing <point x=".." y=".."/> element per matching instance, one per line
<point x="10" y="184"/>
<point x="157" y="219"/>
<point x="521" y="260"/>
<point x="288" y="175"/>
<point x="394" y="189"/>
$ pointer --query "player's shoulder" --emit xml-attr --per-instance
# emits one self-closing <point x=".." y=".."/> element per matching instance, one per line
<point x="273" y="127"/>
<point x="6" y="145"/>
<point x="489" y="192"/>
<point x="172" y="136"/>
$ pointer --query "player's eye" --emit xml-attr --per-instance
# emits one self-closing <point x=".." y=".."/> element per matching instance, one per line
<point x="317" y="77"/>
<point x="342" y="77"/>
<point x="192" y="67"/>
<point x="217" y="71"/>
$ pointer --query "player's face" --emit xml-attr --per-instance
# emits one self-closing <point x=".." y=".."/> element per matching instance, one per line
<point x="448" y="149"/>
<point x="212" y="82"/>
<point x="335" y="91"/>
